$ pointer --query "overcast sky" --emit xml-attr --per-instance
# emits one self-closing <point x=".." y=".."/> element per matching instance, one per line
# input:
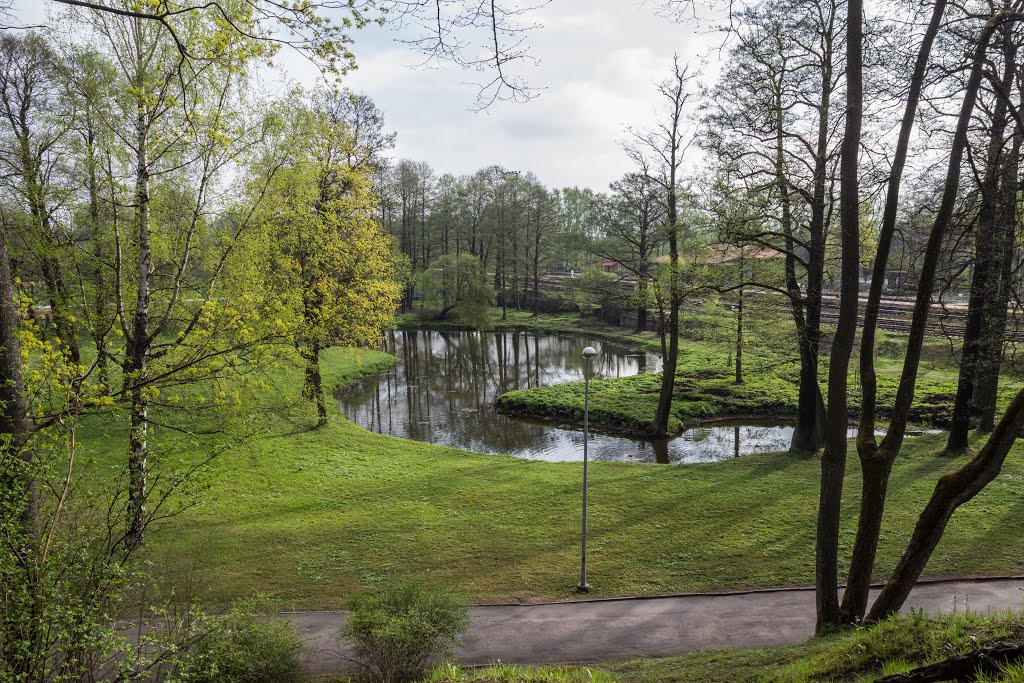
<point x="598" y="62"/>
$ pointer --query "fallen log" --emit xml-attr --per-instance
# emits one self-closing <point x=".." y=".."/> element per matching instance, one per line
<point x="965" y="667"/>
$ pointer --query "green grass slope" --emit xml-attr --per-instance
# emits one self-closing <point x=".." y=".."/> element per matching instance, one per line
<point x="308" y="515"/>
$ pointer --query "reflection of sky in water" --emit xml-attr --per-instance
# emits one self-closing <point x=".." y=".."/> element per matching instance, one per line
<point x="445" y="384"/>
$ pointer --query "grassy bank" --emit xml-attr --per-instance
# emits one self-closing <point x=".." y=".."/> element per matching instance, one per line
<point x="308" y="515"/>
<point x="860" y="656"/>
<point x="705" y="385"/>
<point x="627" y="404"/>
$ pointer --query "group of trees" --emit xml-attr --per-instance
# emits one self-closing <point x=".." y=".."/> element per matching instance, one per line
<point x="512" y="225"/>
<point x="815" y="126"/>
<point x="163" y="227"/>
<point x="164" y="232"/>
<point x="798" y="170"/>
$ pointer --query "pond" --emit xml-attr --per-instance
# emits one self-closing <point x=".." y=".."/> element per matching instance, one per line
<point x="444" y="386"/>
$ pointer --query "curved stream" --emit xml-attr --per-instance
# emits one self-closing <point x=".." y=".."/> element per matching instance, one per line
<point x="444" y="386"/>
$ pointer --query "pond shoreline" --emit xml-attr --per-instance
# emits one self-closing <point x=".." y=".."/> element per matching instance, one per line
<point x="566" y="422"/>
<point x="588" y="327"/>
<point x="445" y="388"/>
<point x="705" y="388"/>
<point x="713" y="421"/>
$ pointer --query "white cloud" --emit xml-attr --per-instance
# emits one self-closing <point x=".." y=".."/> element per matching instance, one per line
<point x="598" y="62"/>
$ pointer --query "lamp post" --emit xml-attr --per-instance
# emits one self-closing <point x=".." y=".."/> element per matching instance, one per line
<point x="588" y="353"/>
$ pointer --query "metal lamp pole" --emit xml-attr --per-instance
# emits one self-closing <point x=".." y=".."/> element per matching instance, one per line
<point x="588" y="353"/>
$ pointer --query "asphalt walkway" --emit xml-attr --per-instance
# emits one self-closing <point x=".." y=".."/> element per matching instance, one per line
<point x="589" y="631"/>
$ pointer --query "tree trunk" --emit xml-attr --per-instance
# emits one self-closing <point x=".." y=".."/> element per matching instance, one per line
<point x="739" y="339"/>
<point x="139" y="343"/>
<point x="313" y="388"/>
<point x="98" y="325"/>
<point x="675" y="90"/>
<point x="809" y="430"/>
<point x="58" y="300"/>
<point x="809" y="435"/>
<point x="994" y="326"/>
<point x="659" y="426"/>
<point x="13" y="410"/>
<point x="876" y="464"/>
<point x="953" y="490"/>
<point x="833" y="461"/>
<point x="944" y="501"/>
<point x="538" y="227"/>
<point x="982" y="336"/>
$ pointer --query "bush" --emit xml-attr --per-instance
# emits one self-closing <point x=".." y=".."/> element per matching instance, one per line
<point x="396" y="631"/>
<point x="244" y="647"/>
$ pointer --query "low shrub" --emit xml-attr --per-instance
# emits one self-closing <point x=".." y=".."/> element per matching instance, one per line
<point x="397" y="631"/>
<point x="246" y="647"/>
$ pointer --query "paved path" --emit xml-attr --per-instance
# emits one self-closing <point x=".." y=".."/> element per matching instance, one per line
<point x="605" y="630"/>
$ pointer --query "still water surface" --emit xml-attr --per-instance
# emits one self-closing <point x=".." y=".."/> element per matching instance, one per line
<point x="444" y="386"/>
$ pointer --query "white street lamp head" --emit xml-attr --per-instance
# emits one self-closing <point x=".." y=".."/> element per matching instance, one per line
<point x="589" y="352"/>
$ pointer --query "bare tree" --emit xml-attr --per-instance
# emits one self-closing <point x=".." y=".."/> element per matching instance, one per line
<point x="488" y="37"/>
<point x="658" y="152"/>
<point x="772" y="127"/>
<point x="631" y="222"/>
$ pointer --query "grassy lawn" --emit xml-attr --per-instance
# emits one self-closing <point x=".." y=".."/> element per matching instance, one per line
<point x="308" y="515"/>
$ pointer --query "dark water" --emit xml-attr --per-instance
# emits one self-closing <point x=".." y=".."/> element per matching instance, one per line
<point x="445" y="384"/>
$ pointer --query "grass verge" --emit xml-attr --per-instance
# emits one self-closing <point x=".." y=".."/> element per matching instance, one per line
<point x="860" y="656"/>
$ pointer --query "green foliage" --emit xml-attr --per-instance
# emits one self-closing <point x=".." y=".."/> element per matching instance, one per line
<point x="320" y="252"/>
<point x="247" y="647"/>
<point x="597" y="289"/>
<point x="459" y="283"/>
<point x="68" y="578"/>
<point x="396" y="630"/>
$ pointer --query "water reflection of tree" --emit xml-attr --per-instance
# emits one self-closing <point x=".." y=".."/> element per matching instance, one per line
<point x="444" y="387"/>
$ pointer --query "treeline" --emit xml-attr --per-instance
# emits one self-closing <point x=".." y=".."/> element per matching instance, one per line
<point x="518" y="229"/>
